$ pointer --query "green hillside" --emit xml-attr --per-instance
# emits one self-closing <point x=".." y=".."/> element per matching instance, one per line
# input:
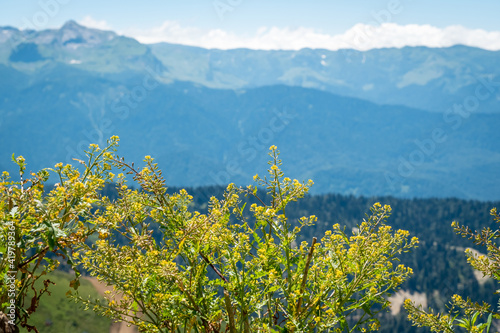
<point x="59" y="314"/>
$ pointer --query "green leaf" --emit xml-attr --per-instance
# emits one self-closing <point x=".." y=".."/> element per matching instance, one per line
<point x="463" y="323"/>
<point x="256" y="237"/>
<point x="51" y="240"/>
<point x="490" y="318"/>
<point x="366" y="308"/>
<point x="74" y="283"/>
<point x="43" y="174"/>
<point x="343" y="325"/>
<point x="474" y="318"/>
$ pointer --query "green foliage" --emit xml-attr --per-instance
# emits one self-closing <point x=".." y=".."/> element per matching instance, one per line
<point x="465" y="313"/>
<point x="36" y="229"/>
<point x="236" y="269"/>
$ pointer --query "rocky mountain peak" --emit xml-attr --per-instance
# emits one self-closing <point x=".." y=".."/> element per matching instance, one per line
<point x="72" y="25"/>
<point x="74" y="34"/>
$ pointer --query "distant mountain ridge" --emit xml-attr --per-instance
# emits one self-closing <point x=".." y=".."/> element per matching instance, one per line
<point x="208" y="116"/>
<point x="426" y="78"/>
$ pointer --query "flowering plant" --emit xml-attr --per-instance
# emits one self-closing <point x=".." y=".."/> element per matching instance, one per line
<point x="235" y="269"/>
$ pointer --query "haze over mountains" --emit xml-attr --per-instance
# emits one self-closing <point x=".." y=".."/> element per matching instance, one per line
<point x="406" y="122"/>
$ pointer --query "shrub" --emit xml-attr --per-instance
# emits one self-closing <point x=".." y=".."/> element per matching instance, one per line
<point x="236" y="268"/>
<point x="37" y="228"/>
<point x="464" y="313"/>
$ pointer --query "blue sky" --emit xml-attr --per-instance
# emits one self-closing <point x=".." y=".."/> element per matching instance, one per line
<point x="273" y="24"/>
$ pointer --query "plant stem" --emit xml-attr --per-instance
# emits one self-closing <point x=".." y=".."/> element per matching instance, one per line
<point x="304" y="276"/>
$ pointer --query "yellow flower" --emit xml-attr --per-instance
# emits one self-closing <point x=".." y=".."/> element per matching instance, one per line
<point x="273" y="147"/>
<point x="79" y="186"/>
<point x="103" y="234"/>
<point x="274" y="167"/>
<point x="374" y="326"/>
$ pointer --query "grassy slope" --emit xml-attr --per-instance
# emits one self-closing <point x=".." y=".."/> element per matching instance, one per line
<point x="59" y="314"/>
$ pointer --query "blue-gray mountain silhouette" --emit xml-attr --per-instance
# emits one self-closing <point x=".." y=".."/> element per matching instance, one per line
<point x="378" y="122"/>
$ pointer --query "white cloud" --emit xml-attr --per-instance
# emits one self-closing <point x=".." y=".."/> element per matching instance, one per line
<point x="360" y="37"/>
<point x="90" y="22"/>
<point x="365" y="37"/>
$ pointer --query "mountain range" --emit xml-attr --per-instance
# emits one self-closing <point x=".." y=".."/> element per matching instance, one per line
<point x="410" y="122"/>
